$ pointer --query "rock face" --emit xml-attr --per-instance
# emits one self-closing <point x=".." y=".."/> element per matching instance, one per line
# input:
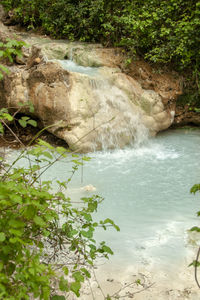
<point x="88" y="102"/>
<point x="185" y="116"/>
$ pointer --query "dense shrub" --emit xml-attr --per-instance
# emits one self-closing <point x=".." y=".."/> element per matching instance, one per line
<point x="162" y="31"/>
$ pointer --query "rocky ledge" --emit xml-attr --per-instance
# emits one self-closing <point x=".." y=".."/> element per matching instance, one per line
<point x="103" y="105"/>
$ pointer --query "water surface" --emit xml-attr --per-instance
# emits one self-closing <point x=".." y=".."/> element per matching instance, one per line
<point x="146" y="192"/>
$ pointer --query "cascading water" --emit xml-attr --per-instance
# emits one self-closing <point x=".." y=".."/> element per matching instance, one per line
<point x="147" y="161"/>
<point x="71" y="66"/>
<point x="115" y="118"/>
<point x="146" y="185"/>
<point x="131" y="129"/>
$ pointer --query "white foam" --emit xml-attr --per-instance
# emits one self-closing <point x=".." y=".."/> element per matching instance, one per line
<point x="71" y="66"/>
<point x="150" y="150"/>
<point x="162" y="236"/>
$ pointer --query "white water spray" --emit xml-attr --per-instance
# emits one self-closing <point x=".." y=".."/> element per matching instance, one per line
<point x="115" y="118"/>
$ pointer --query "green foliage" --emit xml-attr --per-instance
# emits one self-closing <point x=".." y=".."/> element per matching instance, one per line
<point x="9" y="50"/>
<point x="195" y="189"/>
<point x="24" y="121"/>
<point x="163" y="31"/>
<point x="37" y="222"/>
<point x="6" y="117"/>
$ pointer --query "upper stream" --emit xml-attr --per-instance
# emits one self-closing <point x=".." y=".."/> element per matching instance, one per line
<point x="147" y="193"/>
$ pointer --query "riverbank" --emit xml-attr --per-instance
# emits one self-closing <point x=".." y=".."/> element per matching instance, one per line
<point x="139" y="283"/>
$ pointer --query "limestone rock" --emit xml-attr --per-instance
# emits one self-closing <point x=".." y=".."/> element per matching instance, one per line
<point x="91" y="111"/>
<point x="88" y="113"/>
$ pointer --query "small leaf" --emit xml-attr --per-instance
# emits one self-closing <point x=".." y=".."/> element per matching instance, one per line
<point x="16" y="232"/>
<point x="107" y="250"/>
<point x="2" y="237"/>
<point x="195" y="228"/>
<point x="4" y="69"/>
<point x="85" y="271"/>
<point x="22" y="123"/>
<point x="195" y="188"/>
<point x="16" y="223"/>
<point x="195" y="264"/>
<point x="47" y="154"/>
<point x="45" y="144"/>
<point x="66" y="270"/>
<point x="32" y="123"/>
<point x="8" y="117"/>
<point x="75" y="287"/>
<point x="31" y="108"/>
<point x="25" y="118"/>
<point x="1" y="127"/>
<point x="39" y="221"/>
<point x="63" y="285"/>
<point x="78" y="276"/>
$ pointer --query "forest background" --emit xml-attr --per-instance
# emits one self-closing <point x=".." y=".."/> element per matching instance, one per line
<point x="162" y="32"/>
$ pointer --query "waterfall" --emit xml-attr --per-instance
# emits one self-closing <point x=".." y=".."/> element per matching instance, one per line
<point x="115" y="118"/>
<point x="122" y="126"/>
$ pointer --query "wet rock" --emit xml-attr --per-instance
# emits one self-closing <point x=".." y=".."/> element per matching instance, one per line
<point x="90" y="112"/>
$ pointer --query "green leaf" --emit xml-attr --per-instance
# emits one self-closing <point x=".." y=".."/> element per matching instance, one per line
<point x="45" y="144"/>
<point x="16" y="232"/>
<point x="8" y="117"/>
<point x="47" y="154"/>
<point x="87" y="217"/>
<point x="88" y="234"/>
<point x="195" y="228"/>
<point x="4" y="69"/>
<point x="31" y="108"/>
<point x="22" y="123"/>
<point x="75" y="288"/>
<point x="16" y="198"/>
<point x="195" y="188"/>
<point x="138" y="282"/>
<point x="195" y="264"/>
<point x="1" y="266"/>
<point x="78" y="276"/>
<point x="25" y="118"/>
<point x="61" y="150"/>
<point x="107" y="250"/>
<point x="2" y="237"/>
<point x="63" y="284"/>
<point x="39" y="221"/>
<point x="65" y="270"/>
<point x="116" y="227"/>
<point x="32" y="122"/>
<point x="1" y="128"/>
<point x="16" y="223"/>
<point x="30" y="212"/>
<point x="85" y="271"/>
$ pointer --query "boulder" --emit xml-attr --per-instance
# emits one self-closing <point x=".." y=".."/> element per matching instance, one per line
<point x="96" y="106"/>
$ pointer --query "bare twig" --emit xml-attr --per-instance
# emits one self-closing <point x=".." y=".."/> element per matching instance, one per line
<point x="61" y="155"/>
<point x="133" y="293"/>
<point x="195" y="268"/>
<point x="98" y="283"/>
<point x="16" y="137"/>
